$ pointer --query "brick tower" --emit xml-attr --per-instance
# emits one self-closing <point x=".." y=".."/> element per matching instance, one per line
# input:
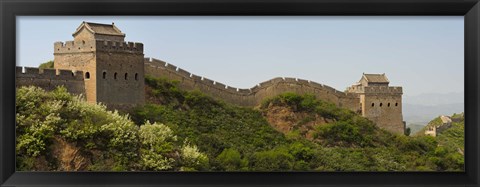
<point x="380" y="102"/>
<point x="113" y="69"/>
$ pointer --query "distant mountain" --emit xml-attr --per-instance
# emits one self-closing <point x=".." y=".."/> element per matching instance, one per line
<point x="420" y="109"/>
<point x="434" y="99"/>
<point x="414" y="128"/>
<point x="421" y="114"/>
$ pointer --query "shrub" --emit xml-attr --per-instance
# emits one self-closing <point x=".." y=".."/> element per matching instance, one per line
<point x="231" y="160"/>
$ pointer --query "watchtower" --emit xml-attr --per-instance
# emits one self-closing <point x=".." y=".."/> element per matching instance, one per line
<point x="380" y="102"/>
<point x="113" y="69"/>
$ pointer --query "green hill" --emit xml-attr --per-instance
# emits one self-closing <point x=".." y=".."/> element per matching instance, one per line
<point x="59" y="132"/>
<point x="192" y="131"/>
<point x="415" y="128"/>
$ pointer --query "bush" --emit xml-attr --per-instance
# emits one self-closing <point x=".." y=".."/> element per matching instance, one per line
<point x="109" y="140"/>
<point x="231" y="160"/>
<point x="272" y="160"/>
<point x="46" y="65"/>
<point x="193" y="159"/>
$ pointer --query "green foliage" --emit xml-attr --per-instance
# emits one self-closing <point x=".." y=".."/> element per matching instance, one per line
<point x="272" y="160"/>
<point x="408" y="131"/>
<point x="231" y="160"/>
<point x="191" y="131"/>
<point x="157" y="141"/>
<point x="109" y="140"/>
<point x="164" y="89"/>
<point x="46" y="65"/>
<point x="343" y="133"/>
<point x="193" y="159"/>
<point x="452" y="142"/>
<point x="353" y="143"/>
<point x="210" y="124"/>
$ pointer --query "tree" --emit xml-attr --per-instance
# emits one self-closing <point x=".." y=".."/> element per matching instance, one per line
<point x="192" y="158"/>
<point x="230" y="160"/>
<point x="408" y="131"/>
<point x="157" y="141"/>
<point x="47" y="65"/>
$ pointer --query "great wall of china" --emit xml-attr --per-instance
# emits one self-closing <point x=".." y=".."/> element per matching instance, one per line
<point x="102" y="66"/>
<point x="49" y="79"/>
<point x="252" y="96"/>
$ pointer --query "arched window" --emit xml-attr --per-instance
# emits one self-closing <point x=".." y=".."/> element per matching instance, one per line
<point x="381" y="104"/>
<point x="126" y="76"/>
<point x="104" y="75"/>
<point x="87" y="75"/>
<point x="136" y="76"/>
<point x="373" y="104"/>
<point x="388" y="105"/>
<point x="115" y="76"/>
<point x="396" y="104"/>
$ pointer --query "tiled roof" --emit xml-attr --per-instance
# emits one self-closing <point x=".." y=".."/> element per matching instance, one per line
<point x="98" y="28"/>
<point x="376" y="78"/>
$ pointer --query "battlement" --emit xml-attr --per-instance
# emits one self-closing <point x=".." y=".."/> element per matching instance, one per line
<point x="114" y="46"/>
<point x="99" y="45"/>
<point x="58" y="74"/>
<point x="73" y="47"/>
<point x="381" y="89"/>
<point x="49" y="79"/>
<point x="159" y="65"/>
<point x="375" y="89"/>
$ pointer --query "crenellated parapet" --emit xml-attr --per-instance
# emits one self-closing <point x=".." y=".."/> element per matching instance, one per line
<point x="74" y="47"/>
<point x="384" y="90"/>
<point x="250" y="96"/>
<point x="49" y="79"/>
<point x="53" y="74"/>
<point x="97" y="45"/>
<point x="114" y="46"/>
<point x="376" y="89"/>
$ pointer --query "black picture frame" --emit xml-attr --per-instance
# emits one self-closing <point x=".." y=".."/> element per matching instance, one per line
<point x="9" y="9"/>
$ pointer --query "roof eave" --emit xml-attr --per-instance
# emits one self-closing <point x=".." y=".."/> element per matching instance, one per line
<point x="83" y="25"/>
<point x="111" y="34"/>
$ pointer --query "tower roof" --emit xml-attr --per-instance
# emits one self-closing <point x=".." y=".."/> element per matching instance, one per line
<point x="99" y="28"/>
<point x="375" y="78"/>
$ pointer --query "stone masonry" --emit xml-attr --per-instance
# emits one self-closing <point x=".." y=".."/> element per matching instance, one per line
<point x="101" y="65"/>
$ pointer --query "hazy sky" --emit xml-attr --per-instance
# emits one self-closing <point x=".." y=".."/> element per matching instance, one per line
<point x="422" y="54"/>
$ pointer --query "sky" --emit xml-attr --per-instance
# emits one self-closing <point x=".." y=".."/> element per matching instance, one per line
<point x="422" y="54"/>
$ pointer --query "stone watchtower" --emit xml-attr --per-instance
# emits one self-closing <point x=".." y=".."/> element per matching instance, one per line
<point x="380" y="102"/>
<point x="113" y="69"/>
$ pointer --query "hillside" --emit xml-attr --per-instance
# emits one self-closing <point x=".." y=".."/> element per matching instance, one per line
<point x="182" y="130"/>
<point x="60" y="132"/>
<point x="287" y="132"/>
<point x="415" y="128"/>
<point x="454" y="136"/>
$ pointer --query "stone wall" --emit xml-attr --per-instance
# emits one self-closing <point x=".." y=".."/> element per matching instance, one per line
<point x="385" y="110"/>
<point x="78" y="55"/>
<point x="113" y="70"/>
<point x="120" y="78"/>
<point x="252" y="96"/>
<point x="49" y="79"/>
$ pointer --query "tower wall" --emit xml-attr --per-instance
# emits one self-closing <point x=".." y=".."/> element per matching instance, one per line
<point x="383" y="105"/>
<point x="125" y="60"/>
<point x="97" y="57"/>
<point x="77" y="55"/>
